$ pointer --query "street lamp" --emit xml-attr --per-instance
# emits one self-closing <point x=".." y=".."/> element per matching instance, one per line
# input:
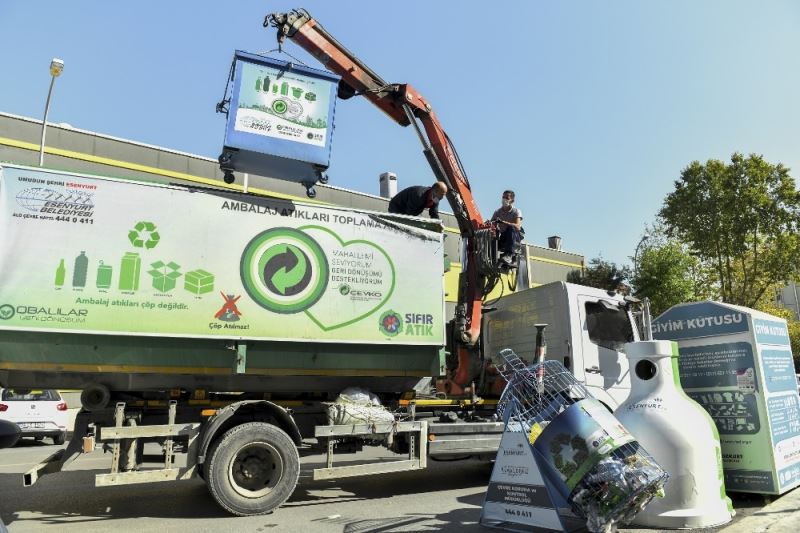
<point x="636" y="254"/>
<point x="56" y="66"/>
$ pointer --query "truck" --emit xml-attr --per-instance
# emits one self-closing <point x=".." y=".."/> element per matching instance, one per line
<point x="158" y="301"/>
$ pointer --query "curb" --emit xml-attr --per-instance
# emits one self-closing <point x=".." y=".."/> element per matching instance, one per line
<point x="780" y="516"/>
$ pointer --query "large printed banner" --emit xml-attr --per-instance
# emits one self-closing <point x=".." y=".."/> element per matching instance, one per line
<point x="91" y="255"/>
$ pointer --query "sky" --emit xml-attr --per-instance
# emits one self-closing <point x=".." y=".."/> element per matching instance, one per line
<point x="588" y="110"/>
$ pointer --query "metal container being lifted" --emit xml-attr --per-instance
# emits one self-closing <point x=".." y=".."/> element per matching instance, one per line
<point x="280" y="120"/>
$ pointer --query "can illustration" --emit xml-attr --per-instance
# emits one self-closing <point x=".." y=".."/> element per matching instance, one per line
<point x="104" y="276"/>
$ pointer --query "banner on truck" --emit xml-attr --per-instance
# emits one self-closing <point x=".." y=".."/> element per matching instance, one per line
<point x="92" y="255"/>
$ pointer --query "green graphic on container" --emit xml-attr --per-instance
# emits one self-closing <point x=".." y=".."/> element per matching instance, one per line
<point x="198" y="281"/>
<point x="81" y="267"/>
<point x="265" y="87"/>
<point x="164" y="275"/>
<point x="61" y="273"/>
<point x="284" y="89"/>
<point x="144" y="235"/>
<point x="258" y="84"/>
<point x="129" y="271"/>
<point x="104" y="276"/>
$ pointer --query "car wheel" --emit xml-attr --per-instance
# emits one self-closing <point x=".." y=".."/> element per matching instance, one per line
<point x="252" y="469"/>
<point x="60" y="439"/>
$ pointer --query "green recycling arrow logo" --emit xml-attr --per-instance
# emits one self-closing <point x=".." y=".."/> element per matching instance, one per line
<point x="284" y="270"/>
<point x="144" y="235"/>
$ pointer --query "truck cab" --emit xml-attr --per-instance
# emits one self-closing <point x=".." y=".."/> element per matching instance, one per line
<point x="587" y="331"/>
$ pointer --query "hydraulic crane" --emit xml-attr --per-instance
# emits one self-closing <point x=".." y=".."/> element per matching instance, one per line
<point x="406" y="106"/>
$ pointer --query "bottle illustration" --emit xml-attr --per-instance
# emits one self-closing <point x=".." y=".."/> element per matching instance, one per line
<point x="265" y="87"/>
<point x="61" y="273"/>
<point x="297" y="92"/>
<point x="79" y="273"/>
<point x="258" y="84"/>
<point x="284" y="89"/>
<point x="103" y="276"/>
<point x="129" y="271"/>
<point x="275" y="89"/>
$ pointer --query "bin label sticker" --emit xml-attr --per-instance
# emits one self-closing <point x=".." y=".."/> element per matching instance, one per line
<point x="283" y="104"/>
<point x="716" y="365"/>
<point x="771" y="332"/>
<point x="704" y="319"/>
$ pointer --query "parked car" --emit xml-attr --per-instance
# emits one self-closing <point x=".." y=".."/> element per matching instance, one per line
<point x="38" y="413"/>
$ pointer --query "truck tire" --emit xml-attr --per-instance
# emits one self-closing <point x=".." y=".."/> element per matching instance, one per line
<point x="60" y="439"/>
<point x="252" y="469"/>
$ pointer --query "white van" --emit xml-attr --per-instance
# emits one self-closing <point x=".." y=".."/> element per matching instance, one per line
<point x="587" y="331"/>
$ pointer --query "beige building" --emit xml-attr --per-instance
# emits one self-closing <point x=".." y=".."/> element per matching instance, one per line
<point x="77" y="150"/>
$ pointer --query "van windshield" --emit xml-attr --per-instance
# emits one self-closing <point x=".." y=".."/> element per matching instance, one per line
<point x="609" y="326"/>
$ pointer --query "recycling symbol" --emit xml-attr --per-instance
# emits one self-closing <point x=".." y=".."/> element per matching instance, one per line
<point x="287" y="271"/>
<point x="284" y="270"/>
<point x="144" y="235"/>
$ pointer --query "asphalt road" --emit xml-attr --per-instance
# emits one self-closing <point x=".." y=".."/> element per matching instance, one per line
<point x="445" y="497"/>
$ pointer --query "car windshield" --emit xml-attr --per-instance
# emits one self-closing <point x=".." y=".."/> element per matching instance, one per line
<point x="14" y="395"/>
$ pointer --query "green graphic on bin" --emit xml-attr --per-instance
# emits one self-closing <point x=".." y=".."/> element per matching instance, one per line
<point x="129" y="271"/>
<point x="164" y="275"/>
<point x="144" y="235"/>
<point x="198" y="282"/>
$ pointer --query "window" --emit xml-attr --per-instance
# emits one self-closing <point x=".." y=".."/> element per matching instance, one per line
<point x="608" y="325"/>
<point x="27" y="395"/>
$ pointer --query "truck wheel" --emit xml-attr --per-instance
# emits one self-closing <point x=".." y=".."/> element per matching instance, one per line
<point x="252" y="469"/>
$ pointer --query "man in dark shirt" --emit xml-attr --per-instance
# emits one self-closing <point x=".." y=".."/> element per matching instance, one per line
<point x="414" y="200"/>
<point x="509" y="223"/>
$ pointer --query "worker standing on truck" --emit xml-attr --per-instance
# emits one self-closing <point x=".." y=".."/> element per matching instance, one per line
<point x="414" y="200"/>
<point x="509" y="224"/>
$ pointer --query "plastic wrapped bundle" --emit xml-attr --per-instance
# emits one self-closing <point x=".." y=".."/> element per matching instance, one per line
<point x="357" y="406"/>
<point x="582" y="450"/>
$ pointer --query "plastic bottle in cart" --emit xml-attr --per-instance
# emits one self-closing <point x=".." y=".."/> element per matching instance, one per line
<point x="680" y="435"/>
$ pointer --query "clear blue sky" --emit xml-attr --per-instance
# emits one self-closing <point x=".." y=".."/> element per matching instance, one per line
<point x="589" y="110"/>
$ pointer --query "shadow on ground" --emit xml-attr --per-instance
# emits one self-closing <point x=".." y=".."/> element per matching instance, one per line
<point x="71" y="497"/>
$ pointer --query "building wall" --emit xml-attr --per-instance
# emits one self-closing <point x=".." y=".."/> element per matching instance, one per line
<point x="787" y="297"/>
<point x="88" y="152"/>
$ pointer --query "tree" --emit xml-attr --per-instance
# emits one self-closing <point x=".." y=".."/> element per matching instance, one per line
<point x="740" y="219"/>
<point x="601" y="274"/>
<point x="667" y="275"/>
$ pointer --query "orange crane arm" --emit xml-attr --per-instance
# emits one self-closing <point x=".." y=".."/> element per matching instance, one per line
<point x="406" y="106"/>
